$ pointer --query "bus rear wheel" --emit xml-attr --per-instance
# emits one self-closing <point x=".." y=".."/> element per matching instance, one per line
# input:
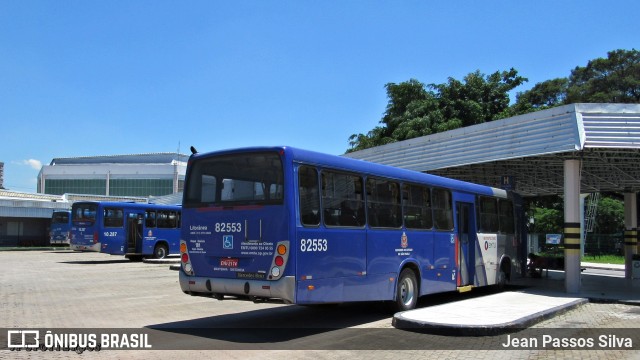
<point x="406" y="291"/>
<point x="160" y="252"/>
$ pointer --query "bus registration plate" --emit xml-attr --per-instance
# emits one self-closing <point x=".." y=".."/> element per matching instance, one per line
<point x="229" y="262"/>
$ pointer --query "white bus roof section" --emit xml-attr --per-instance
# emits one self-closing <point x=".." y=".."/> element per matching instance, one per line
<point x="531" y="149"/>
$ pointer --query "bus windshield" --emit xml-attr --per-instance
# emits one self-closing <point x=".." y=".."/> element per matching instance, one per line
<point x="236" y="179"/>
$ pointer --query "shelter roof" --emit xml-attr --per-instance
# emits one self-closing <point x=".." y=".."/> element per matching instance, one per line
<point x="530" y="149"/>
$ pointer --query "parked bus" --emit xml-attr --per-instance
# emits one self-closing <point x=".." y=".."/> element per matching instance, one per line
<point x="130" y="229"/>
<point x="60" y="227"/>
<point x="310" y="228"/>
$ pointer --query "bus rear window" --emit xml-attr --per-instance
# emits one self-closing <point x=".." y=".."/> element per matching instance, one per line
<point x="84" y="212"/>
<point x="60" y="218"/>
<point x="237" y="179"/>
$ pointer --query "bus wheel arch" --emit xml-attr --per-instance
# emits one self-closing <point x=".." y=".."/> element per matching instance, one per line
<point x="161" y="250"/>
<point x="407" y="289"/>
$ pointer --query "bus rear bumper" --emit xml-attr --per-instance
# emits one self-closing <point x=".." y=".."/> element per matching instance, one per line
<point x="283" y="289"/>
<point x="93" y="247"/>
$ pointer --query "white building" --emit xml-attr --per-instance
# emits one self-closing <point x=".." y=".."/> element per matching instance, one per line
<point x="146" y="175"/>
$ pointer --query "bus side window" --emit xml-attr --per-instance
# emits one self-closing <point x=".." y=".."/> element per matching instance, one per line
<point x="309" y="196"/>
<point x="113" y="217"/>
<point x="488" y="213"/>
<point x="168" y="219"/>
<point x="342" y="203"/>
<point x="417" y="207"/>
<point x="384" y="203"/>
<point x="150" y="218"/>
<point x="505" y="211"/>
<point x="442" y="209"/>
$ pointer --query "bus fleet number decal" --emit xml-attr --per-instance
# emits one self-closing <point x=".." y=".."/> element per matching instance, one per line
<point x="228" y="227"/>
<point x="307" y="245"/>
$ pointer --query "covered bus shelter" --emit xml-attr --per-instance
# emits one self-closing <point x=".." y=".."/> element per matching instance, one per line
<point x="567" y="150"/>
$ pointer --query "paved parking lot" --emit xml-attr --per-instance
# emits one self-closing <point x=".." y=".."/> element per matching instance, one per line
<point x="63" y="289"/>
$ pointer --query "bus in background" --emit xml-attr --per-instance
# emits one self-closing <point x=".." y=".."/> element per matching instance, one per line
<point x="130" y="229"/>
<point x="60" y="227"/>
<point x="310" y="228"/>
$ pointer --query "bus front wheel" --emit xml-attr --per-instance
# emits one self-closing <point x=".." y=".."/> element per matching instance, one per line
<point x="406" y="291"/>
<point x="160" y="252"/>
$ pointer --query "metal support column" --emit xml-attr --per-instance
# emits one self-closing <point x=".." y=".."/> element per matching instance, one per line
<point x="631" y="231"/>
<point x="572" y="226"/>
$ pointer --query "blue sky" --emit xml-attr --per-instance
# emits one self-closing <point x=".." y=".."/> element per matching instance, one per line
<point x="84" y="78"/>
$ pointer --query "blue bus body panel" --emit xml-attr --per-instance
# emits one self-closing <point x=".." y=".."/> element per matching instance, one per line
<point x="113" y="241"/>
<point x="60" y="230"/>
<point x="234" y="242"/>
<point x="82" y="236"/>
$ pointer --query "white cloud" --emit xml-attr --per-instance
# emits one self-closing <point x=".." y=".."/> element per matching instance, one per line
<point x="35" y="164"/>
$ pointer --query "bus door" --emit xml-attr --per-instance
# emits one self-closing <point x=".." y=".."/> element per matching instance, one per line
<point x="134" y="231"/>
<point x="465" y="250"/>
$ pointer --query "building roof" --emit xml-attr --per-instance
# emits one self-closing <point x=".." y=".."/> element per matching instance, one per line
<point x="152" y="158"/>
<point x="531" y="149"/>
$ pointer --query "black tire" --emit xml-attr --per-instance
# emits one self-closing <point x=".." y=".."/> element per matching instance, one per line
<point x="501" y="281"/>
<point x="160" y="252"/>
<point x="407" y="291"/>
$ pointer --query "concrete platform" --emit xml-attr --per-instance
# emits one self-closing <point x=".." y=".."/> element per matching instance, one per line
<point x="528" y="301"/>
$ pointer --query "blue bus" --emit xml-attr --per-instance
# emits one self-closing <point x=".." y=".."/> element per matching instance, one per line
<point x="60" y="227"/>
<point x="310" y="228"/>
<point x="130" y="229"/>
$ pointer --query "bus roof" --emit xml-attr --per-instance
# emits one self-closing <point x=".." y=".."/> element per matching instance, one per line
<point x="365" y="167"/>
<point x="128" y="204"/>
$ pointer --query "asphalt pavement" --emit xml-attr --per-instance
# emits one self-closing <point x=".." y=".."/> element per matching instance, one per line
<point x="525" y="302"/>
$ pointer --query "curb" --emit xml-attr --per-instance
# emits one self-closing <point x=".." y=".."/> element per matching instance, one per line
<point x="44" y="248"/>
<point x="427" y="327"/>
<point x="162" y="261"/>
<point x="603" y="267"/>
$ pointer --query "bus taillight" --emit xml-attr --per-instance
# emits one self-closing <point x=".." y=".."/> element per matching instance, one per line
<point x="184" y="258"/>
<point x="95" y="237"/>
<point x="279" y="260"/>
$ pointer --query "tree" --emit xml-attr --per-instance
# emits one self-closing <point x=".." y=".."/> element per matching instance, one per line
<point x="410" y="112"/>
<point x="614" y="79"/>
<point x="416" y="110"/>
<point x="547" y="213"/>
<point x="544" y="95"/>
<point x="610" y="216"/>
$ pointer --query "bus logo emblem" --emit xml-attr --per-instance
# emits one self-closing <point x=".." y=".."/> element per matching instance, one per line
<point x="404" y="240"/>
<point x="227" y="241"/>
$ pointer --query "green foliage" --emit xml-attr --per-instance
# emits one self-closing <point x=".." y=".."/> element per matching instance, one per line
<point x="415" y="109"/>
<point x="610" y="216"/>
<point x="547" y="221"/>
<point x="614" y="79"/>
<point x="604" y="259"/>
<point x="548" y="215"/>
